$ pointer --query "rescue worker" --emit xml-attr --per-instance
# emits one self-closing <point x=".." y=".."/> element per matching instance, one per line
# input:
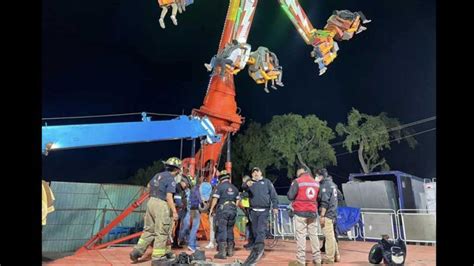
<point x="263" y="197"/>
<point x="245" y="205"/>
<point x="160" y="213"/>
<point x="327" y="200"/>
<point x="303" y="195"/>
<point x="181" y="203"/>
<point x="224" y="206"/>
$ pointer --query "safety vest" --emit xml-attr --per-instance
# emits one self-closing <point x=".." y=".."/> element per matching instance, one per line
<point x="307" y="195"/>
<point x="245" y="202"/>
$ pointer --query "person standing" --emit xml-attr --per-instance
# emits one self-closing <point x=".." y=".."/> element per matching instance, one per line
<point x="303" y="195"/>
<point x="263" y="197"/>
<point x="327" y="200"/>
<point x="224" y="207"/>
<point x="160" y="213"/>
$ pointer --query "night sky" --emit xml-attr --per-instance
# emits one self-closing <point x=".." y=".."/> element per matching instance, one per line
<point x="111" y="56"/>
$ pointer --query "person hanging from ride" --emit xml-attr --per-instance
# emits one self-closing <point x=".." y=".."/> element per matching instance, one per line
<point x="165" y="4"/>
<point x="224" y="206"/>
<point x="263" y="197"/>
<point x="160" y="213"/>
<point x="234" y="55"/>
<point x="265" y="67"/>
<point x="276" y="65"/>
<point x="303" y="195"/>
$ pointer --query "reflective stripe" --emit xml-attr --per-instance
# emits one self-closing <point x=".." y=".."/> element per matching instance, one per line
<point x="216" y="196"/>
<point x="141" y="242"/>
<point x="258" y="210"/>
<point x="158" y="252"/>
<point x="308" y="184"/>
<point x="177" y="197"/>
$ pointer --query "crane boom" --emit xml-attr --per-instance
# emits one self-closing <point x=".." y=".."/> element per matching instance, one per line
<point x="105" y="134"/>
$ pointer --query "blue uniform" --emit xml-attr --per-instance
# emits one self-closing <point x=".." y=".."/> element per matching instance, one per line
<point x="161" y="184"/>
<point x="226" y="194"/>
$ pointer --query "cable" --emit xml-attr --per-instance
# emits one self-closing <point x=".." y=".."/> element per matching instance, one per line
<point x="418" y="133"/>
<point x="107" y="115"/>
<point x="396" y="128"/>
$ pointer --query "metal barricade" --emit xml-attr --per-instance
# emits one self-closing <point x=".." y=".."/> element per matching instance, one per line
<point x="283" y="225"/>
<point x="378" y="222"/>
<point x="418" y="225"/>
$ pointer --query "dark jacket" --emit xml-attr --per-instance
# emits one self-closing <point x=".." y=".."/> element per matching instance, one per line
<point x="262" y="194"/>
<point x="327" y="197"/>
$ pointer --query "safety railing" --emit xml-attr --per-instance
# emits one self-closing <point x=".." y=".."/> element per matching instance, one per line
<point x="417" y="225"/>
<point x="377" y="222"/>
<point x="282" y="225"/>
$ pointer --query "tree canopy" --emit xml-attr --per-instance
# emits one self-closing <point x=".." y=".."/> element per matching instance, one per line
<point x="370" y="135"/>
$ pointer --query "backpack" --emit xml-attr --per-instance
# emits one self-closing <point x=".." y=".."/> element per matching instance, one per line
<point x="195" y="198"/>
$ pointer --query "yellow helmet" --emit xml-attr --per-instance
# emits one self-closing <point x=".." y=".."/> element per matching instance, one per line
<point x="174" y="162"/>
<point x="223" y="175"/>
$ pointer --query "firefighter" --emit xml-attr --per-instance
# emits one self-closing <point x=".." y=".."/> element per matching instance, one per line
<point x="160" y="213"/>
<point x="224" y="206"/>
<point x="303" y="193"/>
<point x="263" y="197"/>
<point x="327" y="200"/>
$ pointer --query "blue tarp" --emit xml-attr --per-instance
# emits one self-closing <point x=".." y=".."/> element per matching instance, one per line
<point x="347" y="217"/>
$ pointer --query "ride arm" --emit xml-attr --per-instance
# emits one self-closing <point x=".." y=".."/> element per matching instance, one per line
<point x="92" y="135"/>
<point x="340" y="26"/>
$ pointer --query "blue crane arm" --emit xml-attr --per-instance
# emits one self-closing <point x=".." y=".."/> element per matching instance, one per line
<point x="92" y="135"/>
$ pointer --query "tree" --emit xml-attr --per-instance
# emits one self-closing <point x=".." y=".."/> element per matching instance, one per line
<point x="250" y="149"/>
<point x="371" y="135"/>
<point x="295" y="140"/>
<point x="287" y="141"/>
<point x="143" y="176"/>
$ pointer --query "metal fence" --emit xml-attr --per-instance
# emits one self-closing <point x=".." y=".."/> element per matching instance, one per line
<point x="417" y="225"/>
<point x="377" y="222"/>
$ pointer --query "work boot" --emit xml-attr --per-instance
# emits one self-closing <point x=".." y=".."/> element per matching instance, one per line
<point x="326" y="261"/>
<point x="255" y="255"/>
<point x="317" y="263"/>
<point x="230" y="249"/>
<point x="222" y="251"/>
<point x="337" y="258"/>
<point x="161" y="262"/>
<point x="260" y="249"/>
<point x="135" y="255"/>
<point x="248" y="246"/>
<point x="170" y="255"/>
<point x="251" y="259"/>
<point x="296" y="263"/>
